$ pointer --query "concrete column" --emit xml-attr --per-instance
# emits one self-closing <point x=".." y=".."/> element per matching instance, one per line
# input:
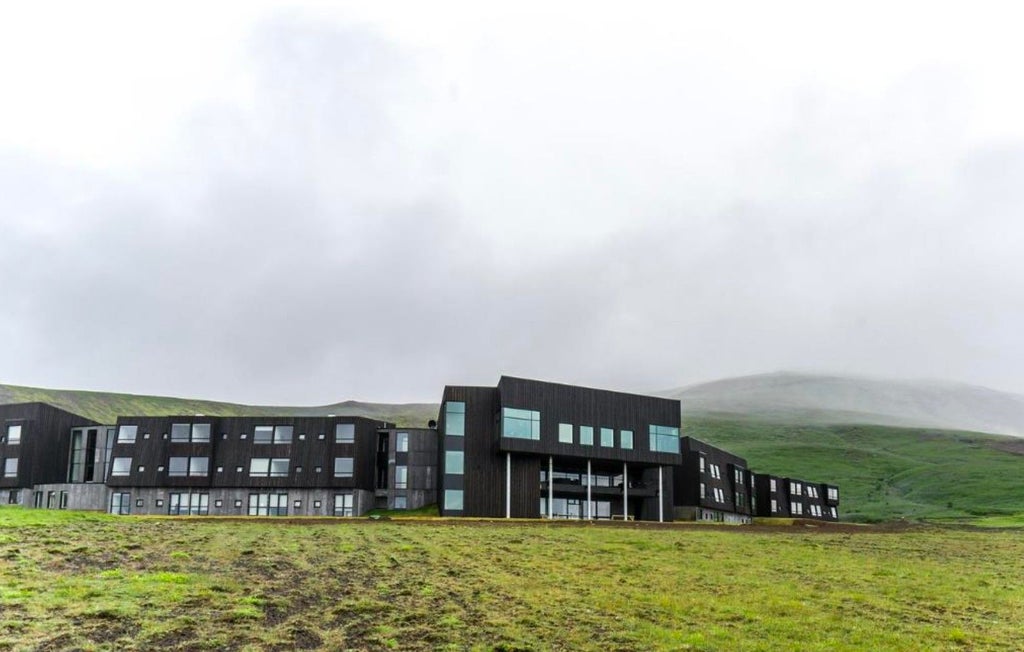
<point x="551" y="485"/>
<point x="661" y="497"/>
<point x="590" y="480"/>
<point x="625" y="491"/>
<point x="508" y="485"/>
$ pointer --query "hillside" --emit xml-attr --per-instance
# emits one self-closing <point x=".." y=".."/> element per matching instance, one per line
<point x="806" y="398"/>
<point x="106" y="406"/>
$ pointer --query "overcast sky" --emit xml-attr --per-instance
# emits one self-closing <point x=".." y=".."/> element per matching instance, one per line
<point x="298" y="205"/>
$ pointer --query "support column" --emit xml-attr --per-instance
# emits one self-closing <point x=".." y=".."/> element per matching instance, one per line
<point x="551" y="485"/>
<point x="508" y="485"/>
<point x="590" y="480"/>
<point x="661" y="497"/>
<point x="625" y="491"/>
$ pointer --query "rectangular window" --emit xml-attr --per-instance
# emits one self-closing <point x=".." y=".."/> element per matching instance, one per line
<point x="703" y="491"/>
<point x="11" y="467"/>
<point x="400" y="502"/>
<point x="279" y="467"/>
<point x="455" y="418"/>
<point x="120" y="503"/>
<point x="453" y="462"/>
<point x="565" y="433"/>
<point x="587" y="435"/>
<point x="263" y="435"/>
<point x="520" y="424"/>
<point x="775" y="506"/>
<point x="607" y="437"/>
<point x="343" y="504"/>
<point x="401" y="477"/>
<point x="703" y="464"/>
<point x="268" y="504"/>
<point x="453" y="500"/>
<point x="14" y="434"/>
<point x="716" y="472"/>
<point x="343" y="467"/>
<point x="771" y="485"/>
<point x="402" y="442"/>
<point x="796" y="489"/>
<point x="181" y="431"/>
<point x="626" y="439"/>
<point x="283" y="434"/>
<point x="259" y="466"/>
<point x="127" y="434"/>
<point x="177" y="467"/>
<point x="198" y="466"/>
<point x="796" y="509"/>
<point x="344" y="433"/>
<point x="664" y="439"/>
<point x="189" y="504"/>
<point x="121" y="466"/>
<point x="833" y="494"/>
<point x="201" y="432"/>
<point x="739" y="476"/>
<point x="833" y="512"/>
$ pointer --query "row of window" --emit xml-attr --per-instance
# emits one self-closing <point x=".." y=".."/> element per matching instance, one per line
<point x="13" y="435"/>
<point x="716" y="492"/>
<point x="266" y="467"/>
<point x="344" y="433"/>
<point x="566" y="435"/>
<point x="198" y="504"/>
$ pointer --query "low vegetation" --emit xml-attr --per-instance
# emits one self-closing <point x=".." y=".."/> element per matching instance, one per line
<point x="96" y="582"/>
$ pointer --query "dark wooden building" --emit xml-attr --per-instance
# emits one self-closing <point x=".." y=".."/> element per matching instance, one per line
<point x="795" y="498"/>
<point x="713" y="484"/>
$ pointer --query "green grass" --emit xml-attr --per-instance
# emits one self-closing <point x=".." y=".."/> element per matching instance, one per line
<point x="883" y="472"/>
<point x="95" y="582"/>
<point x="425" y="511"/>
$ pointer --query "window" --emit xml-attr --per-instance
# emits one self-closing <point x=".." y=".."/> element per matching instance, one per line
<point x="565" y="433"/>
<point x="276" y="467"/>
<point x="796" y="509"/>
<point x="812" y="491"/>
<point x="200" y="432"/>
<point x="453" y="462"/>
<point x="833" y="512"/>
<point x="716" y="472"/>
<point x="664" y="439"/>
<point x="344" y="433"/>
<point x="833" y="493"/>
<point x="343" y="467"/>
<point x="344" y="504"/>
<point x="453" y="500"/>
<point x="520" y="424"/>
<point x="703" y="464"/>
<point x="127" y="434"/>
<point x="775" y="506"/>
<point x="795" y="488"/>
<point x="12" y="497"/>
<point x="400" y="502"/>
<point x="181" y="432"/>
<point x="14" y="434"/>
<point x="607" y="437"/>
<point x="177" y="466"/>
<point x="120" y="503"/>
<point x="455" y="418"/>
<point x="719" y="495"/>
<point x="11" y="467"/>
<point x="272" y="434"/>
<point x="587" y="435"/>
<point x="401" y="477"/>
<point x="63" y="504"/>
<point x="268" y="504"/>
<point x="626" y="439"/>
<point x="739" y="476"/>
<point x="198" y="466"/>
<point x="121" y="466"/>
<point x="771" y="485"/>
<point x="703" y="491"/>
<point x="317" y="504"/>
<point x="402" y="442"/>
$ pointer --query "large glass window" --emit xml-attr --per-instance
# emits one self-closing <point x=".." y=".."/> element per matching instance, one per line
<point x="279" y="467"/>
<point x="626" y="439"/>
<point x="263" y="435"/>
<point x="453" y="500"/>
<point x="401" y="477"/>
<point x="14" y="434"/>
<point x="120" y="503"/>
<point x="664" y="439"/>
<point x="343" y="467"/>
<point x="344" y="504"/>
<point x="181" y="431"/>
<point x="268" y="504"/>
<point x="453" y="462"/>
<point x="521" y="424"/>
<point x="191" y="504"/>
<point x="402" y="442"/>
<point x="344" y="433"/>
<point x="455" y="418"/>
<point x="607" y="437"/>
<point x="177" y="466"/>
<point x="198" y="466"/>
<point x="126" y="434"/>
<point x="11" y="467"/>
<point x="201" y="432"/>
<point x="121" y="466"/>
<point x="283" y="434"/>
<point x="587" y="435"/>
<point x="565" y="433"/>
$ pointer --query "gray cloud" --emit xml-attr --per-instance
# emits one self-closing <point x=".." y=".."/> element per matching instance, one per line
<point x="363" y="228"/>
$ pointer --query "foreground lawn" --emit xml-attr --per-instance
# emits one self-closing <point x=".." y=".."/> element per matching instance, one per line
<point x="84" y="581"/>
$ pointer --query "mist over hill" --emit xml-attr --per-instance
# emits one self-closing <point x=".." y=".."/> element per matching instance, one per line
<point x="809" y="398"/>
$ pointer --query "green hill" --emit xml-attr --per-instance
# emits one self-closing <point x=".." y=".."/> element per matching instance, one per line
<point x="884" y="472"/>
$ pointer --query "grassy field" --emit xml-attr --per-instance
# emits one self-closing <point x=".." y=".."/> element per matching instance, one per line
<point x="95" y="582"/>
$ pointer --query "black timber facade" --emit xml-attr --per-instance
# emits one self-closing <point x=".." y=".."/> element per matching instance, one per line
<point x="713" y="485"/>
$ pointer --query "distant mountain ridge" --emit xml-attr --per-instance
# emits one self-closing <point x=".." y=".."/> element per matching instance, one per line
<point x="824" y="399"/>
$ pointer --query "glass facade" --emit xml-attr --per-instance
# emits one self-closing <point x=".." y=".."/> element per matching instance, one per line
<point x="664" y="439"/>
<point x="520" y="424"/>
<point x="576" y="508"/>
<point x="455" y="418"/>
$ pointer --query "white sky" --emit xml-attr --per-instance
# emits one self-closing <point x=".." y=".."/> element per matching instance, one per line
<point x="642" y="197"/>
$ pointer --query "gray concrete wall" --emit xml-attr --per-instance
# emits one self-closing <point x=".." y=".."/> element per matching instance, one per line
<point x="81" y="496"/>
<point x="235" y="502"/>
